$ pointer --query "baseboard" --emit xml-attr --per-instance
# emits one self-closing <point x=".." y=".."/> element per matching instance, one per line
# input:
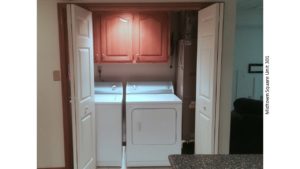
<point x="148" y="164"/>
<point x="53" y="168"/>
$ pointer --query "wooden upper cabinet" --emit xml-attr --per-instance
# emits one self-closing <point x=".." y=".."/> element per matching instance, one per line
<point x="131" y="37"/>
<point x="151" y="42"/>
<point x="113" y="37"/>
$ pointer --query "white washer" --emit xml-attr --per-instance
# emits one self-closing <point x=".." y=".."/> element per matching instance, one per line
<point x="108" y="104"/>
<point x="153" y="123"/>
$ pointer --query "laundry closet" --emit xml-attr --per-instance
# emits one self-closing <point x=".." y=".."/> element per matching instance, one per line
<point x="140" y="74"/>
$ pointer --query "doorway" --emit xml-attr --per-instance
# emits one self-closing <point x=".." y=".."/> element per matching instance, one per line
<point x="65" y="53"/>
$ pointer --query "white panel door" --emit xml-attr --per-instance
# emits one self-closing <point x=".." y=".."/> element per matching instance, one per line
<point x="82" y="86"/>
<point x="207" y="63"/>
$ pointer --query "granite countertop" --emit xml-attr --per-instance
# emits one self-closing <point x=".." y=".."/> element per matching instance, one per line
<point x="233" y="161"/>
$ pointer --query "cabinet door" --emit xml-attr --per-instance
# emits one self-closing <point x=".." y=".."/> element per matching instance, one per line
<point x="116" y="37"/>
<point x="153" y="34"/>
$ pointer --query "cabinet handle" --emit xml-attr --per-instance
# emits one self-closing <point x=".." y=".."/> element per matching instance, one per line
<point x="103" y="54"/>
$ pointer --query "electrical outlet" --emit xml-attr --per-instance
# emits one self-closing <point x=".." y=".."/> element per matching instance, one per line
<point x="56" y="75"/>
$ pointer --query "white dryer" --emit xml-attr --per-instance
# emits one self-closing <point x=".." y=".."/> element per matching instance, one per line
<point x="108" y="104"/>
<point x="153" y="123"/>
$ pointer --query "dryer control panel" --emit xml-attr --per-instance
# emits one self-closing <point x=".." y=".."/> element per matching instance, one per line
<point x="156" y="87"/>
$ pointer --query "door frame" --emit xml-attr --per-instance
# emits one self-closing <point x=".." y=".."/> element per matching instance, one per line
<point x="65" y="84"/>
<point x="64" y="61"/>
<point x="218" y="78"/>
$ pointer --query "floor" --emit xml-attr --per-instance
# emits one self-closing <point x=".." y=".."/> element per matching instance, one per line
<point x="136" y="168"/>
<point x="124" y="164"/>
<point x="188" y="148"/>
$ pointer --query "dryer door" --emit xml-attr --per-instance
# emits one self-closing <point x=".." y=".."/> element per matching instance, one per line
<point x="155" y="126"/>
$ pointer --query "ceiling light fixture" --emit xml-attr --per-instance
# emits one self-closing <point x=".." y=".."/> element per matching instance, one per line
<point x="123" y="20"/>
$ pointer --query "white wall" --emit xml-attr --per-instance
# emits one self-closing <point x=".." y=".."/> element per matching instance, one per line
<point x="135" y="72"/>
<point x="50" y="147"/>
<point x="49" y="110"/>
<point x="248" y="49"/>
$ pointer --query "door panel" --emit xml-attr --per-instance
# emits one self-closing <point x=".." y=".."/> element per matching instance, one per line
<point x="204" y="129"/>
<point x="205" y="71"/>
<point x="116" y="37"/>
<point x="145" y="133"/>
<point x="82" y="86"/>
<point x="207" y="59"/>
<point x="152" y="45"/>
<point x="150" y="36"/>
<point x="85" y="76"/>
<point x="86" y="139"/>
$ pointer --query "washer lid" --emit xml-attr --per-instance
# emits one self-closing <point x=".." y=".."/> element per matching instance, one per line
<point x="108" y="88"/>
<point x="152" y="98"/>
<point x="164" y="87"/>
